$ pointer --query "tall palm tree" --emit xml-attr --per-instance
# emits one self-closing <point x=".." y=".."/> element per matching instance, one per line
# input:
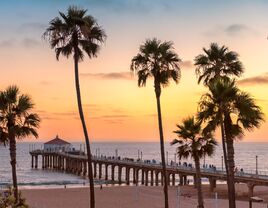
<point x="76" y="33"/>
<point x="226" y="106"/>
<point x="16" y="123"/>
<point x="217" y="61"/>
<point x="194" y="143"/>
<point x="158" y="60"/>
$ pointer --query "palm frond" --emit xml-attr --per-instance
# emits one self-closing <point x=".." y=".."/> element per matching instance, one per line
<point x="158" y="60"/>
<point x="74" y="29"/>
<point x="193" y="141"/>
<point x="15" y="115"/>
<point x="217" y="62"/>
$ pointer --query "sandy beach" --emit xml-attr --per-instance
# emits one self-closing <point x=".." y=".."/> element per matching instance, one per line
<point x="133" y="197"/>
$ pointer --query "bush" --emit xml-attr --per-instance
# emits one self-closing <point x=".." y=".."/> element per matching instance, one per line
<point x="7" y="200"/>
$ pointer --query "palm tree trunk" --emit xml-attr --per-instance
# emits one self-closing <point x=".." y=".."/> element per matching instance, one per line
<point x="12" y="148"/>
<point x="81" y="114"/>
<point x="162" y="147"/>
<point x="231" y="163"/>
<point x="198" y="183"/>
<point x="223" y="137"/>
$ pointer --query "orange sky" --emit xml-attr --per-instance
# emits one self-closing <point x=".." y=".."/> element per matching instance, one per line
<point x="115" y="108"/>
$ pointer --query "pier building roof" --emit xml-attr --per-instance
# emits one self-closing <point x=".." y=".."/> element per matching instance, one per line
<point x="57" y="141"/>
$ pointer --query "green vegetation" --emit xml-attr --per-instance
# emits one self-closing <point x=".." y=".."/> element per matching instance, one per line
<point x="7" y="199"/>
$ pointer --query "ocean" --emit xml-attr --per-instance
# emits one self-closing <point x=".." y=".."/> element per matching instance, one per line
<point x="245" y="157"/>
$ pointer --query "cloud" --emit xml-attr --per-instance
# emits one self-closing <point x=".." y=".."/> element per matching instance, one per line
<point x="33" y="26"/>
<point x="112" y="75"/>
<point x="114" y="121"/>
<point x="262" y="100"/>
<point x="112" y="118"/>
<point x="236" y="29"/>
<point x="55" y="98"/>
<point x="45" y="115"/>
<point x="30" y="43"/>
<point x="45" y="83"/>
<point x="151" y="115"/>
<point x="200" y="93"/>
<point x="231" y="30"/>
<point x="119" y="116"/>
<point x="187" y="64"/>
<point x="123" y="6"/>
<point x="257" y="80"/>
<point x="6" y="43"/>
<point x="93" y="108"/>
<point x="71" y="113"/>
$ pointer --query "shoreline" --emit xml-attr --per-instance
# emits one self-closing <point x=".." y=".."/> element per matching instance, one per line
<point x="97" y="184"/>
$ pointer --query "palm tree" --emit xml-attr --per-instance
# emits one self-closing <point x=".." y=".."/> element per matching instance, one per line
<point x="74" y="33"/>
<point x="217" y="62"/>
<point x="16" y="123"/>
<point x="226" y="106"/>
<point x="194" y="143"/>
<point x="158" y="60"/>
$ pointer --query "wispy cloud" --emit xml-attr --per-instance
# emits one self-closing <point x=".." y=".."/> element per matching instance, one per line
<point x="256" y="80"/>
<point x="112" y="118"/>
<point x="115" y="116"/>
<point x="231" y="30"/>
<point x="33" y="26"/>
<point x="236" y="29"/>
<point x="45" y="115"/>
<point x="30" y="43"/>
<point x="122" y="6"/>
<point x="45" y="83"/>
<point x="6" y="43"/>
<point x="262" y="100"/>
<point x="151" y="115"/>
<point x="112" y="75"/>
<point x="187" y="64"/>
<point x="25" y="42"/>
<point x="114" y="121"/>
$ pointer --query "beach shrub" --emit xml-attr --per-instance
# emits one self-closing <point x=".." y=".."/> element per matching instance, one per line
<point x="7" y="200"/>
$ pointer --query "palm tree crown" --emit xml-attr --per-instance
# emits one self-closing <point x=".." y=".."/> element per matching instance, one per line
<point x="73" y="33"/>
<point x="192" y="141"/>
<point x="158" y="60"/>
<point x="15" y="115"/>
<point x="225" y="99"/>
<point x="217" y="62"/>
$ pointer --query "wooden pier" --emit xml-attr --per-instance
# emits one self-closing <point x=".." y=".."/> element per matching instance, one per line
<point x="137" y="172"/>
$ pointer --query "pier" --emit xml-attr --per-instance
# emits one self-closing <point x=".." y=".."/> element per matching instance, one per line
<point x="137" y="172"/>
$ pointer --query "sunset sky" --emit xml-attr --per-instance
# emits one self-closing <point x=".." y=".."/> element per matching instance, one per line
<point x="115" y="108"/>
